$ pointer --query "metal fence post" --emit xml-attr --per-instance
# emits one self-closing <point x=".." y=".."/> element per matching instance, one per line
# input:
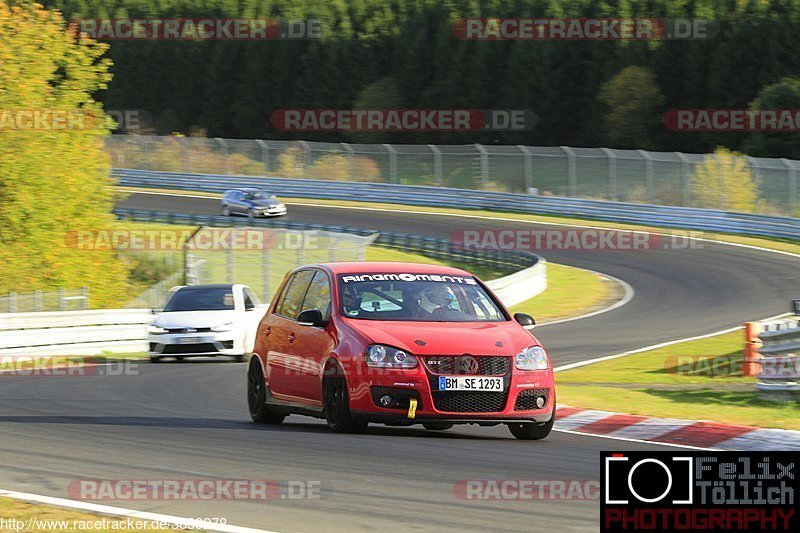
<point x="229" y="264"/>
<point x="225" y="154"/>
<point x="571" y="170"/>
<point x="37" y="300"/>
<point x="484" y="159"/>
<point x="350" y="160"/>
<point x="437" y="163"/>
<point x="649" y="179"/>
<point x="85" y="297"/>
<point x="392" y="163"/>
<point x="62" y="304"/>
<point x="12" y="302"/>
<point x="792" y="183"/>
<point x="306" y="154"/>
<point x="264" y="154"/>
<point x="686" y="178"/>
<point x="527" y="160"/>
<point x="613" y="191"/>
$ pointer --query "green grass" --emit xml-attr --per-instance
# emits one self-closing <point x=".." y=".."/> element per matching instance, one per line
<point x="570" y="292"/>
<point x="697" y="380"/>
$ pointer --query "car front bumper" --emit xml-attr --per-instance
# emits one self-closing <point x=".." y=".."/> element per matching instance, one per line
<point x="516" y="403"/>
<point x="195" y="344"/>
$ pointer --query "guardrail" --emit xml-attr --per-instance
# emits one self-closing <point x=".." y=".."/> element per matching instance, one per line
<point x="654" y="215"/>
<point x="780" y="359"/>
<point x="75" y="332"/>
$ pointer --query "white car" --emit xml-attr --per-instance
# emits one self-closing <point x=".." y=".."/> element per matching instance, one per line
<point x="206" y="320"/>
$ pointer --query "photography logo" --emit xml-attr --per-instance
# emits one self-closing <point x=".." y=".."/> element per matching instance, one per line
<point x="699" y="491"/>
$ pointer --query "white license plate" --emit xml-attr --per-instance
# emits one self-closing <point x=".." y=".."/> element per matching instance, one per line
<point x="470" y="383"/>
<point x="190" y="340"/>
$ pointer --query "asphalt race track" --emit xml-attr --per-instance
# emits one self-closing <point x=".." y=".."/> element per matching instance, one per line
<point x="188" y="421"/>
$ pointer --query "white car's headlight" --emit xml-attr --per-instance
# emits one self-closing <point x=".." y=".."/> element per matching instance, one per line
<point x="155" y="330"/>
<point x="532" y="358"/>
<point x="382" y="356"/>
<point x="227" y="326"/>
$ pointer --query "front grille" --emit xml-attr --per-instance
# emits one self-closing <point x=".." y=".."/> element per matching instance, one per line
<point x="526" y="400"/>
<point x="455" y="365"/>
<point x="177" y="349"/>
<point x="469" y="401"/>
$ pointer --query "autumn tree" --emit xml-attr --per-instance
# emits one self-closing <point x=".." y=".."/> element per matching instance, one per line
<point x="724" y="181"/>
<point x="54" y="173"/>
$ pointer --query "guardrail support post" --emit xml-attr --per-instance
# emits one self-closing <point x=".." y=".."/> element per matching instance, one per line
<point x="392" y="163"/>
<point x="437" y="163"/>
<point x="351" y="173"/>
<point x="484" y="160"/>
<point x="648" y="175"/>
<point x="571" y="170"/>
<point x="792" y="189"/>
<point x="752" y="358"/>
<point x="264" y="154"/>
<point x="613" y="193"/>
<point x="12" y="302"/>
<point x="62" y="303"/>
<point x="84" y="298"/>
<point x="527" y="160"/>
<point x="37" y="300"/>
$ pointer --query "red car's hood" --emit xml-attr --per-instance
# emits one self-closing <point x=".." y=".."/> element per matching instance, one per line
<point x="448" y="338"/>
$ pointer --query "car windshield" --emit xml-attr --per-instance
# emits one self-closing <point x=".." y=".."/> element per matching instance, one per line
<point x="258" y="195"/>
<point x="416" y="297"/>
<point x="200" y="300"/>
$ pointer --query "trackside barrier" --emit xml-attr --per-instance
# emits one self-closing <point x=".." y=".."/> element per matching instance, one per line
<point x="75" y="332"/>
<point x="654" y="215"/>
<point x="780" y="364"/>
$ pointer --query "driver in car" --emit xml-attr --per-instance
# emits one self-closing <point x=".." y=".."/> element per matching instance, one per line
<point x="436" y="301"/>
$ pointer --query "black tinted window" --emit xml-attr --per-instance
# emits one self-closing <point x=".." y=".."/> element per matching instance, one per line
<point x="294" y="293"/>
<point x="200" y="300"/>
<point x="319" y="295"/>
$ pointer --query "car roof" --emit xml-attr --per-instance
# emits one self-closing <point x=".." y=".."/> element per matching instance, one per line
<point x="210" y="286"/>
<point x="366" y="267"/>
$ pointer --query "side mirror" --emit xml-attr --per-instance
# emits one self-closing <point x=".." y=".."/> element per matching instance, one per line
<point x="311" y="317"/>
<point x="524" y="320"/>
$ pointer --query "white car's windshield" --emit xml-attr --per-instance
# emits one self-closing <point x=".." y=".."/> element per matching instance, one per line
<point x="200" y="300"/>
<point x="416" y="297"/>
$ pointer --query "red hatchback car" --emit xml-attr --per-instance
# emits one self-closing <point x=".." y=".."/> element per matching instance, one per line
<point x="398" y="344"/>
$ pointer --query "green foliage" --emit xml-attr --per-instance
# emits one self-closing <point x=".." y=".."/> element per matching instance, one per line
<point x="230" y="88"/>
<point x="53" y="175"/>
<point x="632" y="99"/>
<point x="782" y="95"/>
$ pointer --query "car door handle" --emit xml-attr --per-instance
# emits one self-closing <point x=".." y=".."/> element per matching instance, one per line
<point x="292" y="337"/>
<point x="267" y="331"/>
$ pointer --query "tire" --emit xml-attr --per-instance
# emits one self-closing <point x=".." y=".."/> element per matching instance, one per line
<point x="155" y="359"/>
<point x="437" y="426"/>
<point x="336" y="403"/>
<point x="530" y="431"/>
<point x="257" y="396"/>
<point x="238" y="358"/>
<point x="226" y="211"/>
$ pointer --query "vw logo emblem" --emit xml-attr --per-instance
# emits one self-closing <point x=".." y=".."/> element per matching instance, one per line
<point x="468" y="365"/>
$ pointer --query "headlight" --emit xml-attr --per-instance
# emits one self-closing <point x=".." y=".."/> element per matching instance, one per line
<point x="223" y="327"/>
<point x="155" y="330"/>
<point x="533" y="358"/>
<point x="381" y="356"/>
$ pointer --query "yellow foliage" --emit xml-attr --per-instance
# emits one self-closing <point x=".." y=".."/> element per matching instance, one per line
<point x="724" y="181"/>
